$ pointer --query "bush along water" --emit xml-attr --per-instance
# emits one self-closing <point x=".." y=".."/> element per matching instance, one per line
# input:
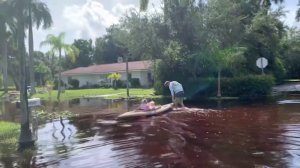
<point x="245" y="87"/>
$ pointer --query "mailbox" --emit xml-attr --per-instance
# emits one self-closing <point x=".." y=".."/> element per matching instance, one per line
<point x="31" y="102"/>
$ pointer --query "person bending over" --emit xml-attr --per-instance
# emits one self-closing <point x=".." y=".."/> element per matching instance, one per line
<point x="177" y="92"/>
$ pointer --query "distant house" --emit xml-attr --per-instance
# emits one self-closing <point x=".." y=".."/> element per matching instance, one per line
<point x="96" y="73"/>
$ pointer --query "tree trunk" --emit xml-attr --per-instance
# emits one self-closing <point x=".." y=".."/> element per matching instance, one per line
<point x="41" y="79"/>
<point x="219" y="84"/>
<point x="154" y="72"/>
<point x="52" y="66"/>
<point x="31" y="61"/>
<point x="26" y="135"/>
<point x="127" y="77"/>
<point x="13" y="74"/>
<point x="3" y="50"/>
<point x="17" y="84"/>
<point x="4" y="65"/>
<point x="59" y="75"/>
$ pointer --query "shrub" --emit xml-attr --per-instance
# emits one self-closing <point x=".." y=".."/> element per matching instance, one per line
<point x="121" y="84"/>
<point x="245" y="87"/>
<point x="56" y="84"/>
<point x="279" y="71"/>
<point x="75" y="83"/>
<point x="135" y="82"/>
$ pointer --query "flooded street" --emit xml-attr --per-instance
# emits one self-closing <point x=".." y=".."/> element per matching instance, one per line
<point x="208" y="134"/>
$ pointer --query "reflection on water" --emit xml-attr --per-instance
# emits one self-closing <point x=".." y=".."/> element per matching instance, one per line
<point x="208" y="134"/>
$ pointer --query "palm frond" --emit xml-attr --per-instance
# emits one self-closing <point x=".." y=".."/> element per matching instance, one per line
<point x="61" y="36"/>
<point x="50" y="40"/>
<point x="41" y="15"/>
<point x="71" y="51"/>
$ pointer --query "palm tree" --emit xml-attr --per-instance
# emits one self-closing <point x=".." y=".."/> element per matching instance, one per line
<point x="57" y="45"/>
<point x="26" y="135"/>
<point x="223" y="58"/>
<point x="38" y="14"/>
<point x="6" y="19"/>
<point x="12" y="53"/>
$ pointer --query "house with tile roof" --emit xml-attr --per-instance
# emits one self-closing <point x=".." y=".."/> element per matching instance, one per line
<point x="97" y="73"/>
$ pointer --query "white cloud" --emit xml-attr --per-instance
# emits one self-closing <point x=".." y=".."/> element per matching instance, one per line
<point x="91" y="19"/>
<point x="82" y="20"/>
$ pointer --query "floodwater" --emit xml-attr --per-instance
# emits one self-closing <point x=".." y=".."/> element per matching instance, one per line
<point x="209" y="134"/>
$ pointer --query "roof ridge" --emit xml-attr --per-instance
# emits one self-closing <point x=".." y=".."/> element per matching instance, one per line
<point x="108" y="68"/>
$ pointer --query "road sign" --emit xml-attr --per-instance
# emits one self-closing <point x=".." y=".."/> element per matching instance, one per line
<point x="262" y="63"/>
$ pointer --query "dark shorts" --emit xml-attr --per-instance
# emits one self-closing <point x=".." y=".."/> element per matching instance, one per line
<point x="179" y="97"/>
<point x="179" y="94"/>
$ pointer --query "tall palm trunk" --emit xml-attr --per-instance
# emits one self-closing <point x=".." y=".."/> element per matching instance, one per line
<point x="127" y="76"/>
<point x="219" y="84"/>
<point x="13" y="74"/>
<point x="154" y="72"/>
<point x="59" y="74"/>
<point x="26" y="135"/>
<point x="52" y="66"/>
<point x="31" y="61"/>
<point x="4" y="64"/>
<point x="3" y="53"/>
<point x="41" y="81"/>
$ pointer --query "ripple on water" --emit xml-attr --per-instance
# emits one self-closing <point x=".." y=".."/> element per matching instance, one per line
<point x="289" y="102"/>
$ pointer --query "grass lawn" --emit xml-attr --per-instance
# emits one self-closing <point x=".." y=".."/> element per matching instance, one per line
<point x="9" y="134"/>
<point x="73" y="94"/>
<point x="1" y="94"/>
<point x="292" y="80"/>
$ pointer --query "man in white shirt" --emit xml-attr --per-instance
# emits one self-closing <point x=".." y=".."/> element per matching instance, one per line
<point x="177" y="92"/>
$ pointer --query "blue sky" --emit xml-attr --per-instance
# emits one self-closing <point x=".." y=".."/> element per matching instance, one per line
<point x="89" y="18"/>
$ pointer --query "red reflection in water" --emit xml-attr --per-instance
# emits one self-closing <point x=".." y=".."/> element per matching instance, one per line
<point x="238" y="136"/>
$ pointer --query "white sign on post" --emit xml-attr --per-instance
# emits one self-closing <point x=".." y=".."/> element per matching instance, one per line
<point x="34" y="102"/>
<point x="262" y="63"/>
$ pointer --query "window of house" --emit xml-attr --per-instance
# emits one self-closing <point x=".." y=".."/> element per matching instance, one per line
<point x="129" y="76"/>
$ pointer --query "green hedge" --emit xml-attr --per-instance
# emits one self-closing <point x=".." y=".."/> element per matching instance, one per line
<point x="246" y="87"/>
<point x="75" y="83"/>
<point x="56" y="84"/>
<point x="135" y="82"/>
<point x="121" y="84"/>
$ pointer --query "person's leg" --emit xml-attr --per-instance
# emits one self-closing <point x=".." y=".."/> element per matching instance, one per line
<point x="181" y="102"/>
<point x="178" y="100"/>
<point x="175" y="103"/>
